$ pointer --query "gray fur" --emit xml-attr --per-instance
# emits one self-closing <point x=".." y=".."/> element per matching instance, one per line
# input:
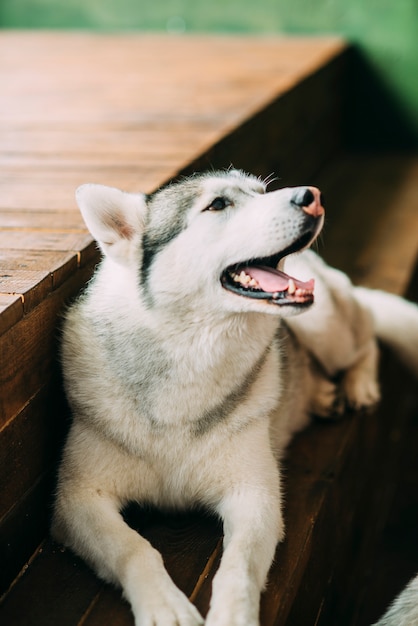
<point x="165" y="220"/>
<point x="213" y="416"/>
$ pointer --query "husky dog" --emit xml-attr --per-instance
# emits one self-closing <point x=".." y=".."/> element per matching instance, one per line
<point x="188" y="372"/>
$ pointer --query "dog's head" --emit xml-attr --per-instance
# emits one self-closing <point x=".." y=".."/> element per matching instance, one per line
<point x="216" y="241"/>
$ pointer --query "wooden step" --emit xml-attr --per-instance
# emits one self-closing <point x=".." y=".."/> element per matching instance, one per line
<point x="135" y="111"/>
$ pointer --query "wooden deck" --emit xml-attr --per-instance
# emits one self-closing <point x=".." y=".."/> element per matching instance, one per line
<point x="135" y="111"/>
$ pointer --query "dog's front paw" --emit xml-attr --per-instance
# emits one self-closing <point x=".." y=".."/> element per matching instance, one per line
<point x="327" y="400"/>
<point x="226" y="617"/>
<point x="234" y="608"/>
<point x="360" y="381"/>
<point x="168" y="608"/>
<point x="361" y="391"/>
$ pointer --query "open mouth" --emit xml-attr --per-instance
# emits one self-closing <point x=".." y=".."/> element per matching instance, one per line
<point x="260" y="279"/>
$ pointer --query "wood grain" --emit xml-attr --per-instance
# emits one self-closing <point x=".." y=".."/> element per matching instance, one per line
<point x="28" y="350"/>
<point x="11" y="310"/>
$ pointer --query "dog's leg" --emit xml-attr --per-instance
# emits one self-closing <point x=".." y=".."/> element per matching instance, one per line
<point x="360" y="381"/>
<point x="327" y="400"/>
<point x="253" y="526"/>
<point x="97" y="531"/>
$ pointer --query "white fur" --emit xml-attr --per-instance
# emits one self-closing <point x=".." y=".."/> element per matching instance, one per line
<point x="184" y="393"/>
<point x="404" y="609"/>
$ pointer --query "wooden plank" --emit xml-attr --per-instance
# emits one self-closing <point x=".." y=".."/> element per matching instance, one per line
<point x="253" y="70"/>
<point x="11" y="310"/>
<point x="57" y="162"/>
<point x="32" y="285"/>
<point x="49" y="192"/>
<point x="28" y="349"/>
<point x="23" y="529"/>
<point x="136" y="142"/>
<point x="34" y="274"/>
<point x="392" y="561"/>
<point x="61" y="265"/>
<point x="21" y="239"/>
<point x="57" y="588"/>
<point x="42" y="220"/>
<point x="30" y="444"/>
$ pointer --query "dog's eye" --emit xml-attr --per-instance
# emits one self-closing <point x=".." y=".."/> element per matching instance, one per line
<point x="218" y="204"/>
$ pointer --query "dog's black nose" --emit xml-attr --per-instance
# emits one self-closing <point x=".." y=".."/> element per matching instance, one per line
<point x="303" y="197"/>
<point x="309" y="199"/>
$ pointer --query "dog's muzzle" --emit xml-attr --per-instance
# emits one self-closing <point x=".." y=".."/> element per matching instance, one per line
<point x="260" y="279"/>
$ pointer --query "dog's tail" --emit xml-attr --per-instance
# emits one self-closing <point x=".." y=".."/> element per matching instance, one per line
<point x="395" y="321"/>
<point x="404" y="610"/>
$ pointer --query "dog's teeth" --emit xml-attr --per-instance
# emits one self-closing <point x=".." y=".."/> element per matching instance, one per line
<point x="243" y="279"/>
<point x="291" y="287"/>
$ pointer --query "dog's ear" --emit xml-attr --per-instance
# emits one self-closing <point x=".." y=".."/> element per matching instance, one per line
<point x="112" y="216"/>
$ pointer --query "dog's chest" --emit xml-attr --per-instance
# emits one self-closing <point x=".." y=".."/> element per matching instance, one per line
<point x="195" y="385"/>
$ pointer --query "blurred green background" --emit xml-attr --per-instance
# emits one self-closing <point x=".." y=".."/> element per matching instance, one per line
<point x="385" y="33"/>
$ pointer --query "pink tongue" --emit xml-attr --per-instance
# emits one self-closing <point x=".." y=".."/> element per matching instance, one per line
<point x="272" y="280"/>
